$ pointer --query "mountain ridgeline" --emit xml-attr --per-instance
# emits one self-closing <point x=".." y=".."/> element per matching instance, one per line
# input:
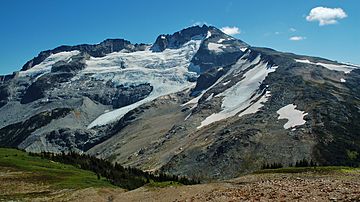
<point x="196" y="103"/>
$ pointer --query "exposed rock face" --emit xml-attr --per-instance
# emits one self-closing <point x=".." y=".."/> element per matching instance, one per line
<point x="4" y="78"/>
<point x="78" y="139"/>
<point x="129" y="95"/>
<point x="37" y="90"/>
<point x="207" y="79"/>
<point x="4" y="94"/>
<point x="12" y="135"/>
<point x="197" y="103"/>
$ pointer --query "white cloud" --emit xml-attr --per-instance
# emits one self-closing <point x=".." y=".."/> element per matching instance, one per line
<point x="292" y="29"/>
<point x="297" y="38"/>
<point x="326" y="16"/>
<point x="230" y="30"/>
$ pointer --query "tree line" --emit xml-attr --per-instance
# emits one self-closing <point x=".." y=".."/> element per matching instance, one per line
<point x="301" y="163"/>
<point x="124" y="177"/>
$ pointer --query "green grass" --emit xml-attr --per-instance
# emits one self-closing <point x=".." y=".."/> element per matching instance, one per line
<point x="57" y="175"/>
<point x="317" y="169"/>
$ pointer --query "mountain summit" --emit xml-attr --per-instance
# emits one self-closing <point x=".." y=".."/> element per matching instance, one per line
<point x="197" y="102"/>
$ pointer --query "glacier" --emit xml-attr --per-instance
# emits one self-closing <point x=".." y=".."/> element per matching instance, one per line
<point x="167" y="72"/>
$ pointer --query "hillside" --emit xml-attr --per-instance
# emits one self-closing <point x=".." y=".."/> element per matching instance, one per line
<point x="29" y="178"/>
<point x="55" y="172"/>
<point x="24" y="177"/>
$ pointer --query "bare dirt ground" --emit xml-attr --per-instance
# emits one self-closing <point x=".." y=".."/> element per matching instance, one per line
<point x="333" y="186"/>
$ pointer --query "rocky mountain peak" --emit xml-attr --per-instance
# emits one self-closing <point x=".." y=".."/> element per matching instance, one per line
<point x="179" y="38"/>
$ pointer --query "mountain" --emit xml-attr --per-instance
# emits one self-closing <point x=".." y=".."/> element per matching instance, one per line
<point x="196" y="103"/>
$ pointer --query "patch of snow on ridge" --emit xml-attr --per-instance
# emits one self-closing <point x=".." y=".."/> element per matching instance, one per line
<point x="351" y="64"/>
<point x="195" y="100"/>
<point x="215" y="47"/>
<point x="342" y="67"/>
<point x="45" y="66"/>
<point x="166" y="71"/>
<point x="238" y="97"/>
<point x="243" y="49"/>
<point x="304" y="61"/>
<point x="226" y="83"/>
<point x="210" y="97"/>
<point x="208" y="35"/>
<point x="295" y="117"/>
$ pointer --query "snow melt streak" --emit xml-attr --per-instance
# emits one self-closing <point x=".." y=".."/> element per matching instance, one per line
<point x="295" y="117"/>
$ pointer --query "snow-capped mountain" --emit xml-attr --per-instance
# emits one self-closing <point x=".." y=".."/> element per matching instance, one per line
<point x="197" y="102"/>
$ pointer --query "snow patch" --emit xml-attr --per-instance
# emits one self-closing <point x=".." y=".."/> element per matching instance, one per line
<point x="239" y="63"/>
<point x="337" y="67"/>
<point x="167" y="72"/>
<point x="351" y="64"/>
<point x="239" y="97"/>
<point x="243" y="49"/>
<point x="221" y="40"/>
<point x="194" y="100"/>
<point x="255" y="107"/>
<point x="188" y="116"/>
<point x="242" y="64"/>
<point x="45" y="66"/>
<point x="304" y="61"/>
<point x="208" y="35"/>
<point x="295" y="117"/>
<point x="210" y="97"/>
<point x="226" y="83"/>
<point x="217" y="48"/>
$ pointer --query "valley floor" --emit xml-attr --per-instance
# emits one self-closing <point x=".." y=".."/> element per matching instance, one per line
<point x="320" y="185"/>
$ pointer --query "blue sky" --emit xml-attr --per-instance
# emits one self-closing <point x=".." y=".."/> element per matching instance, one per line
<point x="28" y="27"/>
